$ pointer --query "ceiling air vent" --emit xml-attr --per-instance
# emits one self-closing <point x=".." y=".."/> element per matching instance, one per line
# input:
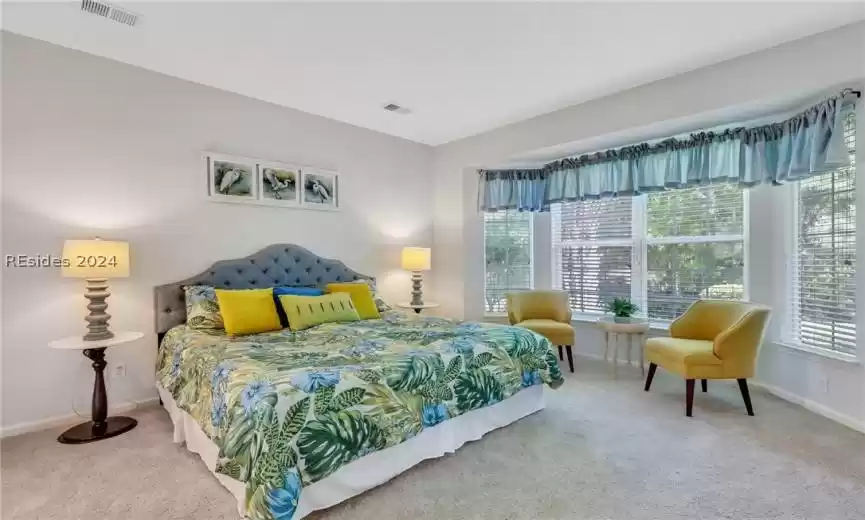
<point x="393" y="107"/>
<point x="110" y="12"/>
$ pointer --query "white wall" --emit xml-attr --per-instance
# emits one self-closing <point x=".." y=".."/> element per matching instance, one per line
<point x="747" y="87"/>
<point x="92" y="146"/>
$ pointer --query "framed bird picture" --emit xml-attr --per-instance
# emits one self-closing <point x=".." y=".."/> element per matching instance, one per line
<point x="279" y="184"/>
<point x="231" y="178"/>
<point x="320" y="189"/>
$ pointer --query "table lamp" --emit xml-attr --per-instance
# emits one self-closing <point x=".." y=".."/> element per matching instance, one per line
<point x="96" y="261"/>
<point x="416" y="259"/>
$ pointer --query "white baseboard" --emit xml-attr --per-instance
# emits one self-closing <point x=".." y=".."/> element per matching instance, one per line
<point x="817" y="408"/>
<point x="810" y="405"/>
<point x="622" y="362"/>
<point x="71" y="419"/>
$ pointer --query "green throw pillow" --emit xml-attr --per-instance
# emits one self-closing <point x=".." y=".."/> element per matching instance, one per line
<point x="304" y="312"/>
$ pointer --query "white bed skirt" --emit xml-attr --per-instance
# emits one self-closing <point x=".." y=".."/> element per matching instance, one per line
<point x="376" y="468"/>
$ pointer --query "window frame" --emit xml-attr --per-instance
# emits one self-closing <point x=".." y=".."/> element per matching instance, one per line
<point x="647" y="241"/>
<point x="639" y="243"/>
<point x="532" y="260"/>
<point x="788" y="334"/>
<point x="556" y="258"/>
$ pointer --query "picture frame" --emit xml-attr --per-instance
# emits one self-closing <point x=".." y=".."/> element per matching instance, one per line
<point x="320" y="189"/>
<point x="231" y="178"/>
<point x="279" y="184"/>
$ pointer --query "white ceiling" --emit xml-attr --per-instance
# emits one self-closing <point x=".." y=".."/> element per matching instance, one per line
<point x="461" y="68"/>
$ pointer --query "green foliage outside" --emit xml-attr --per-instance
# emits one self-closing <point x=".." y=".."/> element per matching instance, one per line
<point x="508" y="248"/>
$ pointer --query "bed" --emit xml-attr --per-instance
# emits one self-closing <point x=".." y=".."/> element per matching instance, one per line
<point x="292" y="422"/>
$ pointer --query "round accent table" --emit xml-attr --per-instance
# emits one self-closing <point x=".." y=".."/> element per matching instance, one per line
<point x="417" y="308"/>
<point x="633" y="329"/>
<point x="101" y="426"/>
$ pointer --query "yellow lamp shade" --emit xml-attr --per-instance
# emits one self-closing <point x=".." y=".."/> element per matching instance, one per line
<point x="416" y="258"/>
<point x="95" y="259"/>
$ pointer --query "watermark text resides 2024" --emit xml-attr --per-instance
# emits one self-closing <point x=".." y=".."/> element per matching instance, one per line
<point x="36" y="261"/>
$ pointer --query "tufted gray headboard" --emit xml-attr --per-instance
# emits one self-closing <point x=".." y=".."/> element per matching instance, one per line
<point x="278" y="264"/>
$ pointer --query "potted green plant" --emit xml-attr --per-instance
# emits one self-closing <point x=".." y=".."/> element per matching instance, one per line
<point x="622" y="309"/>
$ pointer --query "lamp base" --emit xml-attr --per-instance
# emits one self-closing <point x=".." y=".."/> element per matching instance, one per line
<point x="91" y="431"/>
<point x="97" y="320"/>
<point x="416" y="288"/>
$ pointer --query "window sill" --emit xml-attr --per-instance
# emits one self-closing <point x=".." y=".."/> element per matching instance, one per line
<point x="593" y="318"/>
<point x="831" y="354"/>
<point x="583" y="319"/>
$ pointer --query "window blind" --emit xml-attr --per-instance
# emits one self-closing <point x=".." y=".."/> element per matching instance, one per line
<point x="694" y="248"/>
<point x="592" y="251"/>
<point x="508" y="256"/>
<point x="824" y="282"/>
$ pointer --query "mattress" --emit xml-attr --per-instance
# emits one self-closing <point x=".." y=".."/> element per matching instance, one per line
<point x="285" y="410"/>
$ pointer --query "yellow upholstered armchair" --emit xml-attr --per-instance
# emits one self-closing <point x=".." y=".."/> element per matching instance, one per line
<point x="713" y="339"/>
<point x="548" y="314"/>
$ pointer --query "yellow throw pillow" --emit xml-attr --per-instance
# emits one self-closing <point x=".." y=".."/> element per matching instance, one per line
<point x="362" y="297"/>
<point x="247" y="311"/>
<point x="304" y="312"/>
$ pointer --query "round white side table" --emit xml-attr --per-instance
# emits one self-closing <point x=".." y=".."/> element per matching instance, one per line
<point x="417" y="308"/>
<point x="101" y="426"/>
<point x="634" y="329"/>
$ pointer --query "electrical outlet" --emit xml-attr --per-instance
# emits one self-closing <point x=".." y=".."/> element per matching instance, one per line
<point x="120" y="370"/>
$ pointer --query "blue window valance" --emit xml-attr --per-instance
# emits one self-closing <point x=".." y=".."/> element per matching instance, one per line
<point x="808" y="144"/>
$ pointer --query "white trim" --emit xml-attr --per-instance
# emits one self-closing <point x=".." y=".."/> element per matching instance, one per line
<point x="592" y="319"/>
<point x="831" y="354"/>
<point x="702" y="239"/>
<point x="746" y="244"/>
<point x="807" y="404"/>
<point x="601" y="242"/>
<point x="640" y="252"/>
<point x="71" y="419"/>
<point x="531" y="250"/>
<point x="812" y="406"/>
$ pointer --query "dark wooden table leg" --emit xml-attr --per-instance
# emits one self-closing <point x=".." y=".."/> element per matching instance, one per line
<point x="561" y="354"/>
<point x="689" y="396"/>
<point x="101" y="426"/>
<point x="705" y="385"/>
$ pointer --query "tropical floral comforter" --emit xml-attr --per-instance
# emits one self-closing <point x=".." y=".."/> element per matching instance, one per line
<point x="287" y="409"/>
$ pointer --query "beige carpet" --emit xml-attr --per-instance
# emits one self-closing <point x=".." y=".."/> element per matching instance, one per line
<point x="603" y="449"/>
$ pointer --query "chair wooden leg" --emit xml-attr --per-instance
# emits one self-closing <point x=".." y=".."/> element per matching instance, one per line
<point x="561" y="354"/>
<point x="746" y="396"/>
<point x="652" y="368"/>
<point x="705" y="385"/>
<point x="570" y="357"/>
<point x="689" y="396"/>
